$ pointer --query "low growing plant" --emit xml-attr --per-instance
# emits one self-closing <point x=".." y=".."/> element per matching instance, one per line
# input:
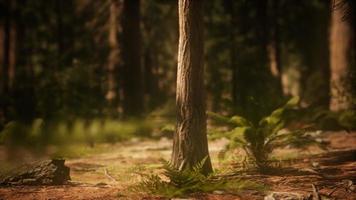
<point x="177" y="183"/>
<point x="260" y="139"/>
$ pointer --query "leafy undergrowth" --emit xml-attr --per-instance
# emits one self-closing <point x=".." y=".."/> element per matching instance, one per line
<point x="261" y="138"/>
<point x="189" y="181"/>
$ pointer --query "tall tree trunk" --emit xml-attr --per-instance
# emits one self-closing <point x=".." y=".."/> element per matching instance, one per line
<point x="59" y="35"/>
<point x="190" y="145"/>
<point x="112" y="95"/>
<point x="8" y="57"/>
<point x="131" y="54"/>
<point x="24" y="95"/>
<point x="273" y="48"/>
<point x="2" y="45"/>
<point x="341" y="36"/>
<point x="9" y="47"/>
<point x="150" y="77"/>
<point x="314" y="86"/>
<point x="2" y="74"/>
<point x="230" y="6"/>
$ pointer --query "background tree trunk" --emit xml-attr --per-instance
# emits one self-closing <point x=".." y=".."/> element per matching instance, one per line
<point x="341" y="36"/>
<point x="112" y="94"/>
<point x="190" y="145"/>
<point x="131" y="52"/>
<point x="274" y="44"/>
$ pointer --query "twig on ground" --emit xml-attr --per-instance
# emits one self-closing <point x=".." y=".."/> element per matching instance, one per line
<point x="106" y="172"/>
<point x="316" y="193"/>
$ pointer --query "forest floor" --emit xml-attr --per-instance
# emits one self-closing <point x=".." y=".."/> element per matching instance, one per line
<point x="107" y="174"/>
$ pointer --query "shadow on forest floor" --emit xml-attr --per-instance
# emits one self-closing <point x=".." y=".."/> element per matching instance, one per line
<point x="108" y="174"/>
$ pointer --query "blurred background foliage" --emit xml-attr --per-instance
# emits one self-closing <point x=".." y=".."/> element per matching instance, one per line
<point x="64" y="77"/>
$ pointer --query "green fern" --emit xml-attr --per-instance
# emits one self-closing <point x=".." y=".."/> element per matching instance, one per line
<point x="182" y="183"/>
<point x="261" y="139"/>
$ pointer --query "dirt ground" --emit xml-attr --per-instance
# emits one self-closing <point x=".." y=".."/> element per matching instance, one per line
<point x="108" y="174"/>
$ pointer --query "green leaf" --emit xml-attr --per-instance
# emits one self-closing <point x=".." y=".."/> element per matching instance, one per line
<point x="293" y="102"/>
<point x="220" y="119"/>
<point x="240" y="121"/>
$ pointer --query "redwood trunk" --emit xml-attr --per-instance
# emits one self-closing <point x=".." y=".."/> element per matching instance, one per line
<point x="341" y="37"/>
<point x="190" y="145"/>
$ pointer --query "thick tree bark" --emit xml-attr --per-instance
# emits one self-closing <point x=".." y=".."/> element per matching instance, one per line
<point x="341" y="36"/>
<point x="190" y="145"/>
<point x="48" y="172"/>
<point x="112" y="95"/>
<point x="131" y="52"/>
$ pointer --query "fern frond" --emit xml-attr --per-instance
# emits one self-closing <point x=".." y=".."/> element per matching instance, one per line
<point x="240" y="121"/>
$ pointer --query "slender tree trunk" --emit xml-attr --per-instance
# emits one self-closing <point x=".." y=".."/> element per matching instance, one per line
<point x="64" y="33"/>
<point x="233" y="54"/>
<point x="190" y="145"/>
<point x="131" y="52"/>
<point x="273" y="48"/>
<point x="9" y="48"/>
<point x="341" y="36"/>
<point x="60" y="39"/>
<point x="112" y="95"/>
<point x="2" y="45"/>
<point x="314" y="86"/>
<point x="2" y="74"/>
<point x="8" y="57"/>
<point x="150" y="77"/>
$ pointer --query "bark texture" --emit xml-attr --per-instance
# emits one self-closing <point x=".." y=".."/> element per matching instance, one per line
<point x="49" y="172"/>
<point x="341" y="36"/>
<point x="190" y="145"/>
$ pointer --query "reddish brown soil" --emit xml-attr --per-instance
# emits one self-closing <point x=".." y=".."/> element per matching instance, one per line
<point x="328" y="170"/>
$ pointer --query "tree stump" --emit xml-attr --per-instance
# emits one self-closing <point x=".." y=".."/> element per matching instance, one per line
<point x="49" y="172"/>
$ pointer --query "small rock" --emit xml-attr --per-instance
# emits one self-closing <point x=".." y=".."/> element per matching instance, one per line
<point x="101" y="184"/>
<point x="284" y="196"/>
<point x="28" y="181"/>
<point x="218" y="192"/>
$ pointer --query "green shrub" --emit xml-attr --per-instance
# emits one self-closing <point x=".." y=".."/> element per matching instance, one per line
<point x="259" y="140"/>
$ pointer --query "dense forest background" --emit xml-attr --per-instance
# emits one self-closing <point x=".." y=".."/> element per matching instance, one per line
<point x="95" y="62"/>
<point x="155" y="99"/>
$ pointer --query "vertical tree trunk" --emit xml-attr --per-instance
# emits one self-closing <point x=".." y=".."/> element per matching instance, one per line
<point x="341" y="36"/>
<point x="150" y="77"/>
<point x="190" y="144"/>
<point x="273" y="48"/>
<point x="60" y="42"/>
<point x="314" y="86"/>
<point x="234" y="68"/>
<point x="24" y="89"/>
<point x="131" y="53"/>
<point x="112" y="95"/>
<point x="2" y="45"/>
<point x="8" y="57"/>
<point x="2" y="74"/>
<point x="9" y="48"/>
